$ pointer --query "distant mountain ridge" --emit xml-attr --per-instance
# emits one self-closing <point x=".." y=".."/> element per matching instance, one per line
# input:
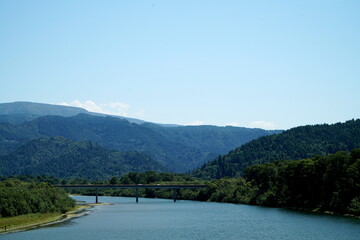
<point x="19" y="112"/>
<point x="178" y="148"/>
<point x="64" y="158"/>
<point x="296" y="143"/>
<point x="39" y="109"/>
<point x="111" y="133"/>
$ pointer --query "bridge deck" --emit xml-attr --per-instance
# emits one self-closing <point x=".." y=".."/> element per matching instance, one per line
<point x="129" y="186"/>
<point x="174" y="187"/>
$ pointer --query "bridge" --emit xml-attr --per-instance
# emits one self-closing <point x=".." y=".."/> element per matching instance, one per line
<point x="174" y="187"/>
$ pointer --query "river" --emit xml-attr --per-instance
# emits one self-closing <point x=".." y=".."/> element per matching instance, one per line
<point x="159" y="219"/>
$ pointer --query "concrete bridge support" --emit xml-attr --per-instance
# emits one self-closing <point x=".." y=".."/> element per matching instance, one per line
<point x="97" y="196"/>
<point x="174" y="194"/>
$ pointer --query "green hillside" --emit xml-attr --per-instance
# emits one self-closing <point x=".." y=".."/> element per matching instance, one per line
<point x="297" y="143"/>
<point x="64" y="158"/>
<point x="179" y="148"/>
<point x="215" y="139"/>
<point x="121" y="135"/>
<point x="17" y="118"/>
<point x="109" y="132"/>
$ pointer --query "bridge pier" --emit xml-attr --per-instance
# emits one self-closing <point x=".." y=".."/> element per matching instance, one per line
<point x="137" y="195"/>
<point x="174" y="194"/>
<point x="97" y="196"/>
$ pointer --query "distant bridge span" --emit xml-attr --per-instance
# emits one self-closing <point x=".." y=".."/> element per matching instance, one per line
<point x="135" y="186"/>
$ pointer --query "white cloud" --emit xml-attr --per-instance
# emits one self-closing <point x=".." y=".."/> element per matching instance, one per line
<point x="116" y="108"/>
<point x="112" y="108"/>
<point x="233" y="124"/>
<point x="196" y="123"/>
<point x="263" y="125"/>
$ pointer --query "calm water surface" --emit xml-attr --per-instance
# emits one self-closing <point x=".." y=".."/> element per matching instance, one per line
<point x="163" y="220"/>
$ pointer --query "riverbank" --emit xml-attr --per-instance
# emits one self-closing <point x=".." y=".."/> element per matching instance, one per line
<point x="31" y="221"/>
<point x="318" y="211"/>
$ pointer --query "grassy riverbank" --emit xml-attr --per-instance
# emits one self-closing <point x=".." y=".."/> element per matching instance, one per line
<point x="34" y="220"/>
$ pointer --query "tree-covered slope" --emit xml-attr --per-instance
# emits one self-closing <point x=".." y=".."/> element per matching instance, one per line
<point x="215" y="139"/>
<point x="121" y="135"/>
<point x="64" y="158"/>
<point x="179" y="148"/>
<point x="297" y="143"/>
<point x="109" y="132"/>
<point x="17" y="118"/>
<point x="11" y="136"/>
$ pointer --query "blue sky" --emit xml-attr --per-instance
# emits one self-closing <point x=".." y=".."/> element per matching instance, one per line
<point x="270" y="64"/>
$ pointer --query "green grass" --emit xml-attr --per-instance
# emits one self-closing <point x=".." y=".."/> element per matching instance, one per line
<point x="35" y="219"/>
<point x="24" y="221"/>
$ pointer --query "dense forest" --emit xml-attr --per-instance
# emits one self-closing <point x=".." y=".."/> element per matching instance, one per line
<point x="296" y="143"/>
<point x="64" y="158"/>
<point x="18" y="198"/>
<point x="323" y="182"/>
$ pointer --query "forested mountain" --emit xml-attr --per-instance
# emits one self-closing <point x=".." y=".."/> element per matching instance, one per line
<point x="64" y="158"/>
<point x="215" y="139"/>
<point x="179" y="148"/>
<point x="111" y="133"/>
<point x="297" y="143"/>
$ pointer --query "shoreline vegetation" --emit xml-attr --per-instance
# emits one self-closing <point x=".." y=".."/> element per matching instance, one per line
<point x="27" y="205"/>
<point x="322" y="184"/>
<point x="38" y="220"/>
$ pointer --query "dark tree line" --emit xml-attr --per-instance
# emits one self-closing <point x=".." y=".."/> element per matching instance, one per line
<point x="323" y="183"/>
<point x="329" y="183"/>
